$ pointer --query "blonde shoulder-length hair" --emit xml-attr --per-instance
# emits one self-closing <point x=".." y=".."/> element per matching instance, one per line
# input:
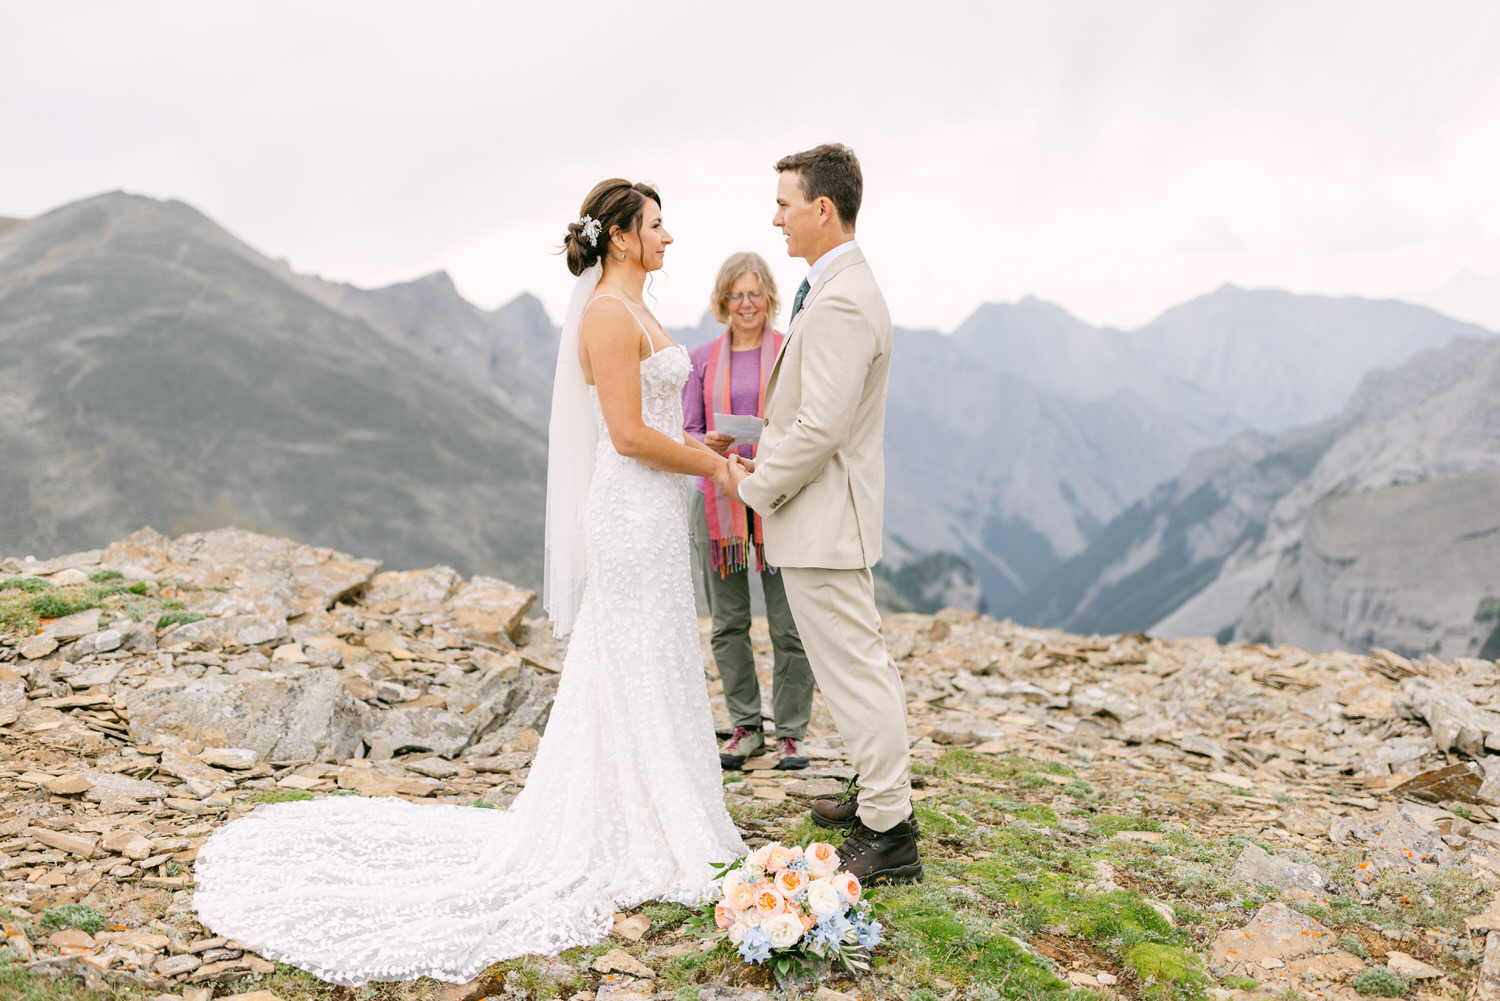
<point x="745" y="263"/>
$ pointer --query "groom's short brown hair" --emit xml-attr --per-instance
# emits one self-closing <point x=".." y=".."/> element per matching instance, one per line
<point x="829" y="171"/>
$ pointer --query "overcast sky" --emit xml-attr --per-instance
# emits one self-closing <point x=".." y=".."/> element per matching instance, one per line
<point x="1115" y="158"/>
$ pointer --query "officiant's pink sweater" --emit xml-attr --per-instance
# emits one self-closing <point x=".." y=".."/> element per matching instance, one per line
<point x="744" y="389"/>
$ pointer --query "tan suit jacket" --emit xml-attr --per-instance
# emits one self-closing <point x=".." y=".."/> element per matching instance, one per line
<point x="819" y="480"/>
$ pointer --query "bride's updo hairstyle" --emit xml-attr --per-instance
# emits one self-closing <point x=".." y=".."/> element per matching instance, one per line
<point x="614" y="204"/>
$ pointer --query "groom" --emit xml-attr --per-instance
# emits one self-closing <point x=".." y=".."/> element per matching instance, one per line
<point x="819" y="487"/>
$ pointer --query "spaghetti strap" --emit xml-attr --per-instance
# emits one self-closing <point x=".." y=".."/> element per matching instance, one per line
<point x="649" y="339"/>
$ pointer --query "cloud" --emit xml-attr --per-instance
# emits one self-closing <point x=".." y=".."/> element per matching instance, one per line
<point x="1090" y="154"/>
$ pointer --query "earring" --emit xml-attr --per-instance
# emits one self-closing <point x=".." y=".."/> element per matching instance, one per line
<point x="622" y="255"/>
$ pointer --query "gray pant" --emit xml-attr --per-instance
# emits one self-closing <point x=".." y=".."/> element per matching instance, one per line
<point x="729" y="604"/>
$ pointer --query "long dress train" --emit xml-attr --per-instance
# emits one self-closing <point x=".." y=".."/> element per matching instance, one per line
<point x="624" y="802"/>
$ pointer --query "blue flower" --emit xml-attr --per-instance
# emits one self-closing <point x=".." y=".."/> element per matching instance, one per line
<point x="755" y="947"/>
<point x="868" y="933"/>
<point x="798" y="863"/>
<point x="824" y="934"/>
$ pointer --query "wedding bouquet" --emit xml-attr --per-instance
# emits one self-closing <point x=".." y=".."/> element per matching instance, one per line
<point x="792" y="909"/>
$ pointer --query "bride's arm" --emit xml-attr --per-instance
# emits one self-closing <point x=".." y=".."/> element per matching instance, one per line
<point x="609" y="345"/>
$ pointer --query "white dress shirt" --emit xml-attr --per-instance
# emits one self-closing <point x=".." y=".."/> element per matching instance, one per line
<point x="821" y="264"/>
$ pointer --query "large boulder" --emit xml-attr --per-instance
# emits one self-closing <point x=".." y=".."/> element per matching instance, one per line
<point x="487" y="610"/>
<point x="311" y="717"/>
<point x="425" y="728"/>
<point x="257" y="574"/>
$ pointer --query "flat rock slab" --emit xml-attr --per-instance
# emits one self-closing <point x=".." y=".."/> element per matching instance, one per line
<point x="718" y="992"/>
<point x="397" y="731"/>
<point x="237" y="758"/>
<point x="488" y="610"/>
<point x="107" y="786"/>
<point x="1276" y="932"/>
<point x="1411" y="968"/>
<point x="632" y="928"/>
<point x="70" y="627"/>
<point x="410" y="592"/>
<point x="280" y="578"/>
<point x="1405" y="841"/>
<point x="1455" y="721"/>
<point x="1255" y="867"/>
<point x="620" y="961"/>
<point x="1462" y="782"/>
<point x="308" y="718"/>
<point x="232" y="630"/>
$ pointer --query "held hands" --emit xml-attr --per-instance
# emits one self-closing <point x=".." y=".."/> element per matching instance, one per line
<point x="718" y="442"/>
<point x="737" y="469"/>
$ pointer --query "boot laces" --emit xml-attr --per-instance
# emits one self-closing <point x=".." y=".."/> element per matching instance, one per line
<point x="788" y="747"/>
<point x="859" y="841"/>
<point x="740" y="733"/>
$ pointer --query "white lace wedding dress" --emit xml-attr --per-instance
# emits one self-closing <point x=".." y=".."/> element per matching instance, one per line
<point x="624" y="802"/>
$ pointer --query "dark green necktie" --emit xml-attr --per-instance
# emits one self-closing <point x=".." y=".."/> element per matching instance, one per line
<point x="802" y="291"/>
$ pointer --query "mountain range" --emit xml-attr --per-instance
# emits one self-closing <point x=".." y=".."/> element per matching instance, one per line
<point x="156" y="371"/>
<point x="1180" y="476"/>
<point x="1377" y="527"/>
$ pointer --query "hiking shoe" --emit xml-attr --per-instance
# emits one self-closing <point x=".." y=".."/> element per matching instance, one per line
<point x="841" y="814"/>
<point x="744" y="744"/>
<point x="838" y="814"/>
<point x="792" y="757"/>
<point x="875" y="857"/>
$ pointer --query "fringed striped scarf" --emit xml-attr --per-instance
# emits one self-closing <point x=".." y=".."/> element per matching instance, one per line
<point x="733" y="529"/>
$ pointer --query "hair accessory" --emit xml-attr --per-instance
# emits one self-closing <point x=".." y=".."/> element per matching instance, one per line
<point x="590" y="229"/>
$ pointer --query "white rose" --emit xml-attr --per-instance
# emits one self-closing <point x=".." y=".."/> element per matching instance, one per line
<point x="784" y="930"/>
<point x="822" y="898"/>
<point x="731" y="880"/>
<point x="738" y="929"/>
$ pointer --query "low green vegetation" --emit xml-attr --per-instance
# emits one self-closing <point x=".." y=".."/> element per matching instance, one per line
<point x="282" y="796"/>
<point x="55" y="605"/>
<point x="177" y="618"/>
<point x="79" y="916"/>
<point x="27" y="602"/>
<point x="1379" y="982"/>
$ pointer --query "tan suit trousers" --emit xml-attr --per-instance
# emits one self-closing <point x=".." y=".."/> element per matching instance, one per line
<point x="840" y="630"/>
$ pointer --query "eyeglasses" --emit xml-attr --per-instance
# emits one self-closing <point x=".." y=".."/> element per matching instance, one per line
<point x="751" y="297"/>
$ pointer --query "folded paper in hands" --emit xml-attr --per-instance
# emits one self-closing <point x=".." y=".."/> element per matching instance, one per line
<point x="743" y="428"/>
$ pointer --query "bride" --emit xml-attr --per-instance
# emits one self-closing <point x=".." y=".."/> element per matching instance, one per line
<point x="624" y="802"/>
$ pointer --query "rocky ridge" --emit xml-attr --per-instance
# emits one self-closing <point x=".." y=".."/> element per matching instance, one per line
<point x="1350" y="792"/>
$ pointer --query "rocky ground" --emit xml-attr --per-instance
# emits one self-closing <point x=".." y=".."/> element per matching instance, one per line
<point x="1115" y="817"/>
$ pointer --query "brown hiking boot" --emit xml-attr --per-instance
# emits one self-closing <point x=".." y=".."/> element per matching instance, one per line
<point x="841" y="814"/>
<point x="838" y="814"/>
<point x="875" y="857"/>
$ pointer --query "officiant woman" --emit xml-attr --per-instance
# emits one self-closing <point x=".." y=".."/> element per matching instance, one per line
<point x="729" y="377"/>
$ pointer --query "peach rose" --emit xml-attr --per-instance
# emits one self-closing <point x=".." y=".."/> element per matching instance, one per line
<point x="822" y="859"/>
<point x="847" y="886"/>
<point x="768" y="900"/>
<point x="790" y="882"/>
<point x="777" y="858"/>
<point x="807" y="922"/>
<point x="757" y="858"/>
<point x="723" y="916"/>
<point x="741" y="897"/>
